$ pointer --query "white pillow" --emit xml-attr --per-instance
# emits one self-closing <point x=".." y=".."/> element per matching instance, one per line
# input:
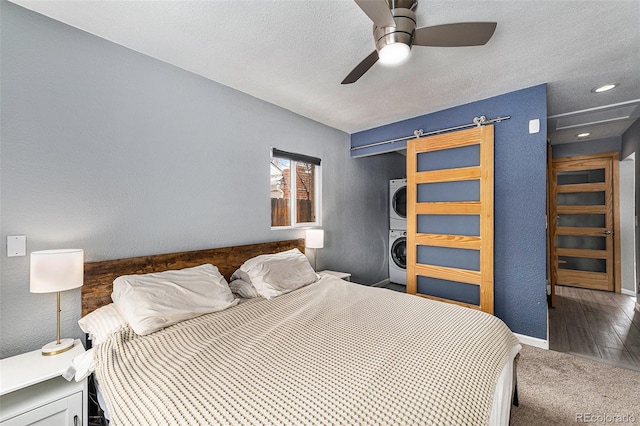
<point x="276" y="274"/>
<point x="243" y="289"/>
<point x="102" y="323"/>
<point x="150" y="302"/>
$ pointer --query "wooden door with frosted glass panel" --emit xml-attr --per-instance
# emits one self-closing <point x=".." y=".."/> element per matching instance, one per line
<point x="582" y="226"/>
<point x="450" y="201"/>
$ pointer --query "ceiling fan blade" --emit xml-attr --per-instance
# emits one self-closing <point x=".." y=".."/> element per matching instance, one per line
<point x="378" y="11"/>
<point x="361" y="68"/>
<point x="455" y="35"/>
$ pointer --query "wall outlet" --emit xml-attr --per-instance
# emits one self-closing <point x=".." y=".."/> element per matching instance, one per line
<point x="16" y="245"/>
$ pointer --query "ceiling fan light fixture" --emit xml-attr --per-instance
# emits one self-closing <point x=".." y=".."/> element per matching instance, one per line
<point x="395" y="32"/>
<point x="604" y="87"/>
<point x="394" y="53"/>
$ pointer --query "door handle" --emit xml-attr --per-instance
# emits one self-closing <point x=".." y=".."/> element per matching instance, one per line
<point x="607" y="232"/>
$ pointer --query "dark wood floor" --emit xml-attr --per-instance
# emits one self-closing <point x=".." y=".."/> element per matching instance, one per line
<point x="396" y="287"/>
<point x="597" y="324"/>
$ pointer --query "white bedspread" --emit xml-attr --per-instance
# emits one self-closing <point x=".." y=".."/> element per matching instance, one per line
<point x="329" y="353"/>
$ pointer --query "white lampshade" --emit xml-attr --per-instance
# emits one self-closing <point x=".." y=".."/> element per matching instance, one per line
<point x="53" y="271"/>
<point x="56" y="270"/>
<point x="314" y="238"/>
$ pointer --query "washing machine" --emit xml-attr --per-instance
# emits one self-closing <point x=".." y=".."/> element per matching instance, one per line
<point x="398" y="204"/>
<point x="398" y="256"/>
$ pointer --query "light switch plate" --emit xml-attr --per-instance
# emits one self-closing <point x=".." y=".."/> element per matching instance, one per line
<point x="534" y="125"/>
<point x="16" y="245"/>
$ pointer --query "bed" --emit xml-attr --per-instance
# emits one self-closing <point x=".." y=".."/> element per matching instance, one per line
<point x="329" y="352"/>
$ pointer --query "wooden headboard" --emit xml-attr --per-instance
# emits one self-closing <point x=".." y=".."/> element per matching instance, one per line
<point x="99" y="276"/>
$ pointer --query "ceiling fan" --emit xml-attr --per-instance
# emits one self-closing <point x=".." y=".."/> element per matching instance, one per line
<point x="394" y="32"/>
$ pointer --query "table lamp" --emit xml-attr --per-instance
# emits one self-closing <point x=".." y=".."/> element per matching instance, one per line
<point x="314" y="239"/>
<point x="55" y="271"/>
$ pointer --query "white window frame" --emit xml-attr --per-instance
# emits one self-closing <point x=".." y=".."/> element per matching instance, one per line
<point x="317" y="199"/>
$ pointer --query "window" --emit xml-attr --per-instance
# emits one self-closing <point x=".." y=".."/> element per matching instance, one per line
<point x="295" y="189"/>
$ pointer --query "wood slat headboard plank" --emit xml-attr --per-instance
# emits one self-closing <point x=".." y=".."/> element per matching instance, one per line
<point x="99" y="276"/>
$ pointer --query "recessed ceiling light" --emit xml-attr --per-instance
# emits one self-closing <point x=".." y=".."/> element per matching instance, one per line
<point x="583" y="135"/>
<point x="604" y="88"/>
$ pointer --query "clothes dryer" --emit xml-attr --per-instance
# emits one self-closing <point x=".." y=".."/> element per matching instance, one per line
<point x="398" y="204"/>
<point x="398" y="256"/>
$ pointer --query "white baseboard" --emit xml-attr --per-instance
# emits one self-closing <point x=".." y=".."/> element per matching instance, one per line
<point x="532" y="341"/>
<point x="627" y="292"/>
<point x="381" y="283"/>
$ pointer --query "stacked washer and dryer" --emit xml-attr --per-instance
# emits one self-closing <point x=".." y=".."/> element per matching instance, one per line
<point x="398" y="231"/>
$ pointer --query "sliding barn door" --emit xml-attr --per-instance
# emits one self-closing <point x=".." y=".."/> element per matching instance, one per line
<point x="450" y="217"/>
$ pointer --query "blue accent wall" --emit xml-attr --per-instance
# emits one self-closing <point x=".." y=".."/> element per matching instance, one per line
<point x="520" y="196"/>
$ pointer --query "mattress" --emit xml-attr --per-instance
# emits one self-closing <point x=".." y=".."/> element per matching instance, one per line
<point x="330" y="353"/>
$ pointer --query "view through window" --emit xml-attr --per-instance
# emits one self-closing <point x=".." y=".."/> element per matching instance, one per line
<point x="294" y="197"/>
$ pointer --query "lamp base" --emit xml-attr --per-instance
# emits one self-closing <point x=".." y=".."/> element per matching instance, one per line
<point x="55" y="348"/>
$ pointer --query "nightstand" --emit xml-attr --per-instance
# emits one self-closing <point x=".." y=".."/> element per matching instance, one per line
<point x="342" y="275"/>
<point x="32" y="390"/>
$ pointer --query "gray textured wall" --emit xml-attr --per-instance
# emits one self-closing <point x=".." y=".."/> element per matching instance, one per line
<point x="595" y="146"/>
<point x="630" y="144"/>
<point x="627" y="226"/>
<point x="114" y="152"/>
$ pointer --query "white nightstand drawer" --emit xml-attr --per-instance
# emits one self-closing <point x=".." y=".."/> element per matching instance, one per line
<point x="33" y="397"/>
<point x="63" y="412"/>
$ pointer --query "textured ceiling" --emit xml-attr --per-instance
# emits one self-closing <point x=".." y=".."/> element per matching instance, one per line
<point x="295" y="53"/>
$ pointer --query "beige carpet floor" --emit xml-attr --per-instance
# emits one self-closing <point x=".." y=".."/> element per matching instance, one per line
<point x="556" y="388"/>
